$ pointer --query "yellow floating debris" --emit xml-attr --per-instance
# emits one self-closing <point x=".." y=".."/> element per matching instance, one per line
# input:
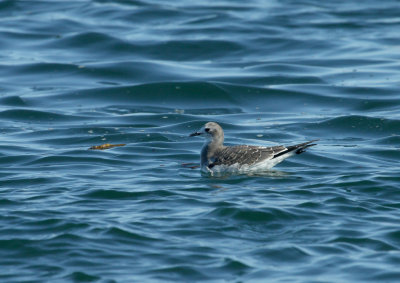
<point x="106" y="146"/>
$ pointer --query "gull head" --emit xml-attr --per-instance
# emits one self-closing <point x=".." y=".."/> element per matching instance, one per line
<point x="211" y="131"/>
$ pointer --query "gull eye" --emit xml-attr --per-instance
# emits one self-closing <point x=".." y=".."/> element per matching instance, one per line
<point x="207" y="129"/>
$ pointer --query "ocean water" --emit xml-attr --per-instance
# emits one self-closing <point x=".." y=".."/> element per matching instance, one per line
<point x="75" y="74"/>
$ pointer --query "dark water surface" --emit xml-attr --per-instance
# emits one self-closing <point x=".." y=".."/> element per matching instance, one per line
<point x="74" y="74"/>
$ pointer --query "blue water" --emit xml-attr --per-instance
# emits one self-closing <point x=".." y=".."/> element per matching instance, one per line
<point x="74" y="74"/>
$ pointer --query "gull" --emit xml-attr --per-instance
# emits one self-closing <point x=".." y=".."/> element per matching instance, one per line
<point x="216" y="157"/>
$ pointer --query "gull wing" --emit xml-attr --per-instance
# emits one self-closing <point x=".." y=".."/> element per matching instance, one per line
<point x="245" y="154"/>
<point x="250" y="155"/>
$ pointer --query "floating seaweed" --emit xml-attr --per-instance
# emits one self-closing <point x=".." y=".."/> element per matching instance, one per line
<point x="105" y="146"/>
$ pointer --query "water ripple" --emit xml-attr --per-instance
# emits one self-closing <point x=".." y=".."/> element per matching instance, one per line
<point x="75" y="74"/>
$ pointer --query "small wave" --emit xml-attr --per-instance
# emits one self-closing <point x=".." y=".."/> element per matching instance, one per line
<point x="356" y="125"/>
<point x="115" y="194"/>
<point x="36" y="116"/>
<point x="253" y="215"/>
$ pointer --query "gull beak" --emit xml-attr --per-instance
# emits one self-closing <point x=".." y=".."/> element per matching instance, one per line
<point x="195" y="134"/>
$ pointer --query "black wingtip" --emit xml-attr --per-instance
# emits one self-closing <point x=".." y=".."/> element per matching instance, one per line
<point x="299" y="148"/>
<point x="303" y="149"/>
